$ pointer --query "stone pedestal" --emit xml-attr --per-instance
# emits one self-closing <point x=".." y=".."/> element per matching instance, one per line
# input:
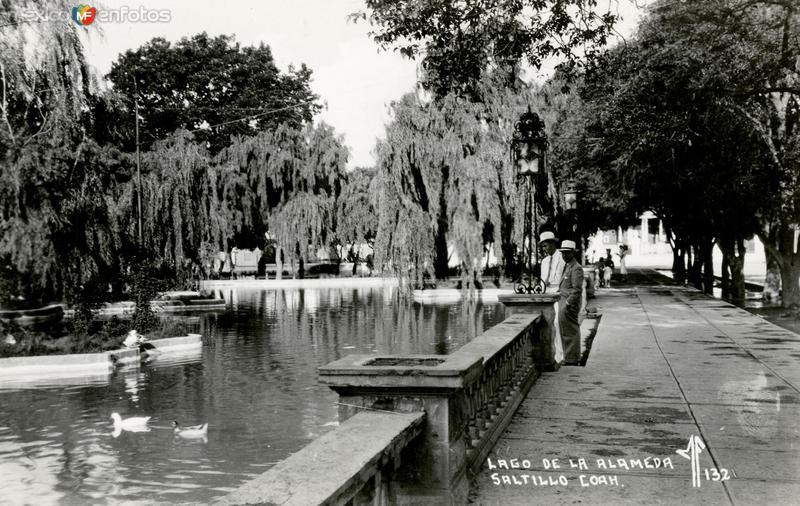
<point x="544" y="349"/>
<point x="588" y="274"/>
<point x="433" y="384"/>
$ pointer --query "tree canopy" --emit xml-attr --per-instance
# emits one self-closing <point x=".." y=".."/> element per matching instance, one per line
<point x="55" y="228"/>
<point x="459" y="41"/>
<point x="67" y="195"/>
<point x="677" y="118"/>
<point x="446" y="179"/>
<point x="212" y="86"/>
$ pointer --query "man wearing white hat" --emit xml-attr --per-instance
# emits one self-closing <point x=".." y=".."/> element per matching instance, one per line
<point x="571" y="290"/>
<point x="552" y="264"/>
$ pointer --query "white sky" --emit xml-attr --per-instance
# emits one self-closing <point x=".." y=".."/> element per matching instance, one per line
<point x="350" y="74"/>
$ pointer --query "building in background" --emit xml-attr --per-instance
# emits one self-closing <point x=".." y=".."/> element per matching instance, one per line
<point x="648" y="245"/>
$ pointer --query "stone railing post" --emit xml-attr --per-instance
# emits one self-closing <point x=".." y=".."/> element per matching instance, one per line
<point x="544" y="348"/>
<point x="435" y="473"/>
<point x="468" y="397"/>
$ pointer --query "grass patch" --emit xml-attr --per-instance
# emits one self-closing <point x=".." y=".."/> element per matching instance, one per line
<point x="76" y="337"/>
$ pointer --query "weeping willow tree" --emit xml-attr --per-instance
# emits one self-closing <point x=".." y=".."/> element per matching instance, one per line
<point x="356" y="213"/>
<point x="291" y="178"/>
<point x="55" y="232"/>
<point x="187" y="206"/>
<point x="499" y="108"/>
<point x="447" y="185"/>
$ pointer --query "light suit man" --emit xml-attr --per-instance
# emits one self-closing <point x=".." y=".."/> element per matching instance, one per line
<point x="553" y="264"/>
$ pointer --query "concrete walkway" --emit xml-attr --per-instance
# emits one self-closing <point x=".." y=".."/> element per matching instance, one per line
<point x="667" y="364"/>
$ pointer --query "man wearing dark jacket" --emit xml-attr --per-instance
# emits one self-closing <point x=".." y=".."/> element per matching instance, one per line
<point x="570" y="290"/>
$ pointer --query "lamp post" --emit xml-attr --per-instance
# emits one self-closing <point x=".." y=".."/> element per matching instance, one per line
<point x="528" y="153"/>
<point x="138" y="166"/>
<point x="571" y="195"/>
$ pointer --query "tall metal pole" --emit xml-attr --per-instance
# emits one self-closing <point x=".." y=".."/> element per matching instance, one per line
<point x="138" y="163"/>
<point x="528" y="228"/>
<point x="531" y="221"/>
<point x="535" y="222"/>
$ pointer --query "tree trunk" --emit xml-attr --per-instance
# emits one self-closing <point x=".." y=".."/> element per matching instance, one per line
<point x="737" y="275"/>
<point x="507" y="247"/>
<point x="726" y="275"/>
<point x="440" y="263"/>
<point x="682" y="277"/>
<point x="790" y="283"/>
<point x="772" y="278"/>
<point x="278" y="262"/>
<point x="696" y="268"/>
<point x="733" y="259"/>
<point x="440" y="267"/>
<point x="780" y="240"/>
<point x="708" y="267"/>
<point x="678" y="263"/>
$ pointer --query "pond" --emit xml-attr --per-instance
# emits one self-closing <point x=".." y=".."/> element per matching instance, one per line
<point x="254" y="382"/>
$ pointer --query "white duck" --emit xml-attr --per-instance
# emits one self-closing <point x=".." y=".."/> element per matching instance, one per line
<point x="131" y="340"/>
<point x="194" y="431"/>
<point x="135" y="339"/>
<point x="133" y="424"/>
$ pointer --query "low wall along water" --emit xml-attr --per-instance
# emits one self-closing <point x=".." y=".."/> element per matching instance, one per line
<point x="57" y="366"/>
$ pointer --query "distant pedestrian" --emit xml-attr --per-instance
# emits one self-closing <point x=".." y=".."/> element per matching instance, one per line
<point x="609" y="269"/>
<point x="234" y="260"/>
<point x="623" y="269"/>
<point x="600" y="272"/>
<point x="608" y="273"/>
<point x="609" y="261"/>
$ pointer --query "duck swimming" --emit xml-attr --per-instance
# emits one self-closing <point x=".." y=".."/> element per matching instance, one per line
<point x="133" y="424"/>
<point x="194" y="431"/>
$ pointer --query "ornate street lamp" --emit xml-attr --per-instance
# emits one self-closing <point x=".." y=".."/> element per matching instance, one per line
<point x="529" y="145"/>
<point x="571" y="196"/>
<point x="528" y="153"/>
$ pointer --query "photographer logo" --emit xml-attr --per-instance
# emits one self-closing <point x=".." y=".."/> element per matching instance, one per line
<point x="84" y="15"/>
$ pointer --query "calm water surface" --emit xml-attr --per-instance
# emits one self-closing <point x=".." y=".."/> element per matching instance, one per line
<point x="254" y="382"/>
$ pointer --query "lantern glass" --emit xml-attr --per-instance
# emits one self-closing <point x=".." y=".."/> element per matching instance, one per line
<point x="571" y="196"/>
<point x="529" y="157"/>
<point x="529" y="145"/>
<point x="571" y="200"/>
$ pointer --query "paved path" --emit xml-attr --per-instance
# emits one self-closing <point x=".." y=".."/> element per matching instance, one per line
<point x="667" y="364"/>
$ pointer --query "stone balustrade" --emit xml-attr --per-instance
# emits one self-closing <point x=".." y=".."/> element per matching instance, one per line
<point x="469" y="398"/>
<point x="457" y="406"/>
<point x="353" y="464"/>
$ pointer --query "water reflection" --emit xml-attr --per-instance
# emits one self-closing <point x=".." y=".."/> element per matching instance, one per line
<point x="756" y="401"/>
<point x="16" y="383"/>
<point x="254" y="382"/>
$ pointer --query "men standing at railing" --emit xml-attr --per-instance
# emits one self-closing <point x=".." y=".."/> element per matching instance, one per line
<point x="552" y="265"/>
<point x="570" y="289"/>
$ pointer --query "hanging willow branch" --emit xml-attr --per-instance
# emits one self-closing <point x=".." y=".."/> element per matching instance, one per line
<point x="444" y="170"/>
<point x="290" y="180"/>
